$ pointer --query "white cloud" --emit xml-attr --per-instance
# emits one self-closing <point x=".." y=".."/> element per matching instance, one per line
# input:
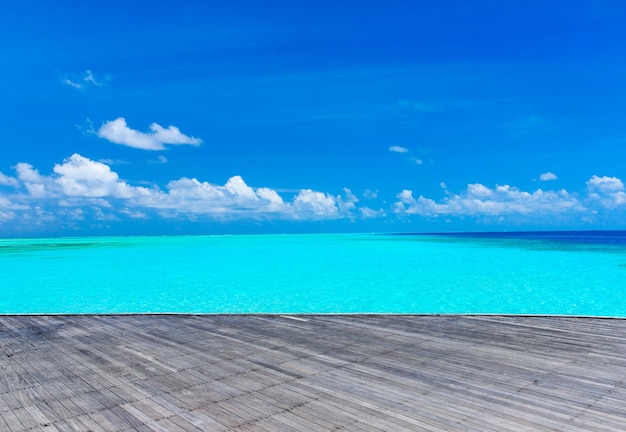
<point x="406" y="151"/>
<point x="348" y="201"/>
<point x="370" y="194"/>
<point x="134" y="214"/>
<point x="27" y="173"/>
<point x="233" y="199"/>
<point x="237" y="199"/>
<point x="274" y="203"/>
<point x="398" y="149"/>
<point x="8" y="181"/>
<point x="6" y="216"/>
<point x="84" y="201"/>
<point x="82" y="177"/>
<point x="607" y="190"/>
<point x="309" y="203"/>
<point x="81" y="189"/>
<point x="37" y="185"/>
<point x="71" y="83"/>
<point x="369" y="213"/>
<point x="547" y="176"/>
<point x="118" y="132"/>
<point x="605" y="184"/>
<point x="82" y="81"/>
<point x="80" y="182"/>
<point x="478" y="199"/>
<point x="89" y="78"/>
<point x="237" y="187"/>
<point x="76" y="214"/>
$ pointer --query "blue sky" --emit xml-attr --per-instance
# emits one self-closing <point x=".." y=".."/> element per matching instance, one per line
<point x="200" y="117"/>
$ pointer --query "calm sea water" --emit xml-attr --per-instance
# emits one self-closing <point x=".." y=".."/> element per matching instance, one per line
<point x="521" y="273"/>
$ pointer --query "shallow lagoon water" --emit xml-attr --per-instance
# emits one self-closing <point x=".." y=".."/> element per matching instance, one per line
<point x="523" y="273"/>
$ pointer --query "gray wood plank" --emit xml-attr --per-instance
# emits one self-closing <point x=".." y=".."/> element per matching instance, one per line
<point x="315" y="372"/>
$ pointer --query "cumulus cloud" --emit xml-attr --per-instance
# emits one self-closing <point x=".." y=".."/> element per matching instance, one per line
<point x="547" y="176"/>
<point x="605" y="184"/>
<point x="607" y="190"/>
<point x="479" y="199"/>
<point x="235" y="198"/>
<point x="309" y="203"/>
<point x="80" y="176"/>
<point x="37" y="185"/>
<point x="81" y="189"/>
<point x="93" y="187"/>
<point x="398" y="149"/>
<point x="118" y="132"/>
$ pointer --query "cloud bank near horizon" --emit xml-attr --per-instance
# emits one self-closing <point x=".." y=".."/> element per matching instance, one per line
<point x="80" y="183"/>
<point x="479" y="199"/>
<point x="80" y="188"/>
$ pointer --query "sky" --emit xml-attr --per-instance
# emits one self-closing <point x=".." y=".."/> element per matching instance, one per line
<point x="190" y="117"/>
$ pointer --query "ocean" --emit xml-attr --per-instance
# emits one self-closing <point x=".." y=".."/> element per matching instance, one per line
<point x="555" y="273"/>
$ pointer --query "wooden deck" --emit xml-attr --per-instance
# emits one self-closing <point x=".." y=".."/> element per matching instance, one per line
<point x="311" y="373"/>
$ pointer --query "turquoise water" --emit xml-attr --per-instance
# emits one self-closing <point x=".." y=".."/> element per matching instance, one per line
<point x="347" y="273"/>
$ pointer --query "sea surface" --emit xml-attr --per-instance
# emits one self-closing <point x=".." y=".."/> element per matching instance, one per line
<point x="561" y="273"/>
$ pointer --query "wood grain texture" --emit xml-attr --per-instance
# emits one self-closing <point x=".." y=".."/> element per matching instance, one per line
<point x="311" y="373"/>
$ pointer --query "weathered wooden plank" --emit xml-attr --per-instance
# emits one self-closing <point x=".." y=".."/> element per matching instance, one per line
<point x="94" y="424"/>
<point x="11" y="420"/>
<point x="263" y="372"/>
<point x="199" y="419"/>
<point x="24" y="417"/>
<point x="4" y="426"/>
